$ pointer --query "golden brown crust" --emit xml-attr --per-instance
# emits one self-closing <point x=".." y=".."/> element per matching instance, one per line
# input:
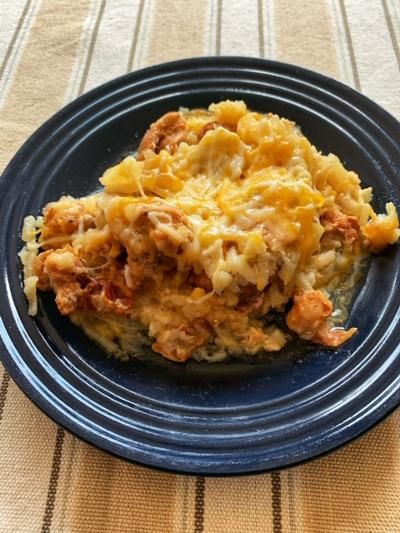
<point x="166" y="133"/>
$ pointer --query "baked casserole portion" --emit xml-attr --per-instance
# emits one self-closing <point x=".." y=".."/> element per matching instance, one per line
<point x="223" y="219"/>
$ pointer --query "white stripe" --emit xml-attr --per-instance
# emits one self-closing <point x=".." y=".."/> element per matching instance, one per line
<point x="342" y="53"/>
<point x="239" y="31"/>
<point x="9" y="20"/>
<point x="72" y="89"/>
<point x="210" y="30"/>
<point x="111" y="53"/>
<point x="376" y="61"/>
<point x="269" y="14"/>
<point x="144" y="35"/>
<point x="19" y="45"/>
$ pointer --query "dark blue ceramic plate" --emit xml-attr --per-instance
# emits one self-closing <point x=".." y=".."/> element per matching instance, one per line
<point x="199" y="418"/>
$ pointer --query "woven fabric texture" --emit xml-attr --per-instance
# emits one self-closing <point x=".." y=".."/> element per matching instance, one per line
<point x="51" y="51"/>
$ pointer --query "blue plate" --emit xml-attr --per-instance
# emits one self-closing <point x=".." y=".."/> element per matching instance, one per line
<point x="199" y="418"/>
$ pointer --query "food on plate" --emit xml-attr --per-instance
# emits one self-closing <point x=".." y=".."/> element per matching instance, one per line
<point x="223" y="220"/>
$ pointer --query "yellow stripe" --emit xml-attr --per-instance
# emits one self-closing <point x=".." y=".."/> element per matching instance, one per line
<point x="36" y="92"/>
<point x="31" y="100"/>
<point x="110" y="495"/>
<point x="244" y="505"/>
<point x="25" y="462"/>
<point x="354" y="489"/>
<point x="177" y="30"/>
<point x="304" y="35"/>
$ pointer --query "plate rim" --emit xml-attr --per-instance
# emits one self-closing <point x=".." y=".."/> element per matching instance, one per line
<point x="14" y="371"/>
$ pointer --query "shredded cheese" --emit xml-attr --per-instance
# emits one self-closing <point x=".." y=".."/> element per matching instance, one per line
<point x="227" y="214"/>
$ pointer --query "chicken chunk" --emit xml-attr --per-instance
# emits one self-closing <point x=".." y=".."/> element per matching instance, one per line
<point x="68" y="296"/>
<point x="65" y="273"/>
<point x="335" y="220"/>
<point x="166" y="133"/>
<point x="250" y="299"/>
<point x="178" y="344"/>
<point x="65" y="217"/>
<point x="106" y="296"/>
<point x="160" y="224"/>
<point x="209" y="126"/>
<point x="309" y="319"/>
<point x="57" y="267"/>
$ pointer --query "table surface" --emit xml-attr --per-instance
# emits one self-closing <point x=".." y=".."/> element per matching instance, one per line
<point x="51" y="51"/>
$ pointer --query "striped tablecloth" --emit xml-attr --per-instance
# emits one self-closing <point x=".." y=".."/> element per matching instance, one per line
<point x="51" y="51"/>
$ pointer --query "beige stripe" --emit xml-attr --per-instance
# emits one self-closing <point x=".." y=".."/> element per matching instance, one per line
<point x="355" y="489"/>
<point x="376" y="60"/>
<point x="30" y="102"/>
<point x="26" y="449"/>
<point x="107" y="495"/>
<point x="304" y="35"/>
<point x="242" y="505"/>
<point x="77" y="464"/>
<point x="236" y="25"/>
<point x="61" y="467"/>
<point x="26" y="444"/>
<point x="185" y="21"/>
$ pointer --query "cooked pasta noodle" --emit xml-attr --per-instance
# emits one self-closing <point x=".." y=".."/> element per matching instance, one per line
<point x="224" y="216"/>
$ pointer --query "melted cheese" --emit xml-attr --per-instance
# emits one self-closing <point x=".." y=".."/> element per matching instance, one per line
<point x="242" y="212"/>
<point x="240" y="203"/>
